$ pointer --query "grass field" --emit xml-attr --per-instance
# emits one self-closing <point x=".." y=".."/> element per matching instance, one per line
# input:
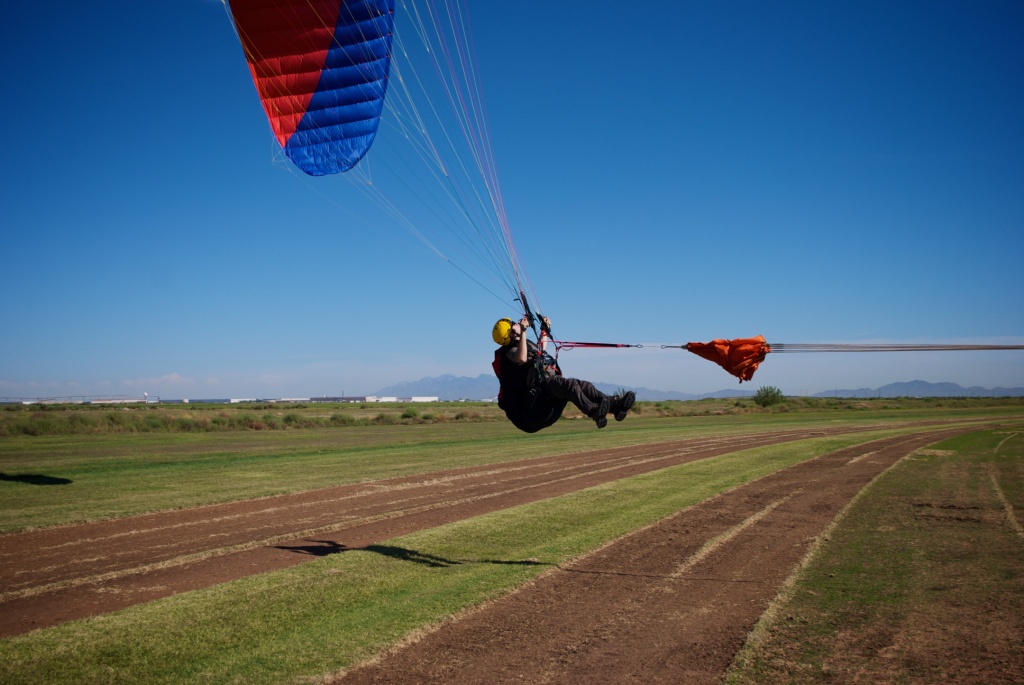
<point x="88" y="419"/>
<point x="299" y="624"/>
<point x="114" y="474"/>
<point x="929" y="559"/>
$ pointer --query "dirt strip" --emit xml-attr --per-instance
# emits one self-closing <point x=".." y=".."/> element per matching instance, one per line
<point x="59" y="574"/>
<point x="672" y="603"/>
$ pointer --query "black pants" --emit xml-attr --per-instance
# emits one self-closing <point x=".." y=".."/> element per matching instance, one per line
<point x="583" y="394"/>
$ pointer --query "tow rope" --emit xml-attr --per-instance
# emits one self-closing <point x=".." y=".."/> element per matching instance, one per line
<point x="741" y="356"/>
<point x="823" y="347"/>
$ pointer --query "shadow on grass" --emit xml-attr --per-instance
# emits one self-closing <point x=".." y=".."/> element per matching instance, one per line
<point x="323" y="548"/>
<point x="35" y="479"/>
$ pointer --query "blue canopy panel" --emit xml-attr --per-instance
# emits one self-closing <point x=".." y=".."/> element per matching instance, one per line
<point x="322" y="89"/>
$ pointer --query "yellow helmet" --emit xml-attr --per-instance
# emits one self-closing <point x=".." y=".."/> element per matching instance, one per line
<point x="502" y="332"/>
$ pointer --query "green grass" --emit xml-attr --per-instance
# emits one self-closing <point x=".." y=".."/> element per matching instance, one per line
<point x="333" y="612"/>
<point x="327" y="614"/>
<point x="85" y="419"/>
<point x="109" y="476"/>
<point x="115" y="475"/>
<point x="921" y="582"/>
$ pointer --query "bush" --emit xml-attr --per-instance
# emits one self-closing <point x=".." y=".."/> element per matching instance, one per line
<point x="153" y="422"/>
<point x="767" y="395"/>
<point x="248" y="421"/>
<point x="185" y="424"/>
<point x="81" y="422"/>
<point x="115" y="418"/>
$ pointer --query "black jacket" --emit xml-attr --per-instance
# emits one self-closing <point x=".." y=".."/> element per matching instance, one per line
<point x="522" y="395"/>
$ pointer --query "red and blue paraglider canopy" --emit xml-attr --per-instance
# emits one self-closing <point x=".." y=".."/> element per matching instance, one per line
<point x="321" y="69"/>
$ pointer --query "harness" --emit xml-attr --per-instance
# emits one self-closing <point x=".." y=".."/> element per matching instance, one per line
<point x="530" y="409"/>
<point x="542" y="366"/>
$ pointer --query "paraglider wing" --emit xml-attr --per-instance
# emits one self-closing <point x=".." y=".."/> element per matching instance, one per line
<point x="740" y="356"/>
<point x="321" y="70"/>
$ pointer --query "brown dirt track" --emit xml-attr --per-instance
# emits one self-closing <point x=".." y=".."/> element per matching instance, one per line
<point x="642" y="609"/>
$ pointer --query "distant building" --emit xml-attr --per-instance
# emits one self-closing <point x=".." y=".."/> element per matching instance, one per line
<point x="114" y="400"/>
<point x="325" y="398"/>
<point x="362" y="399"/>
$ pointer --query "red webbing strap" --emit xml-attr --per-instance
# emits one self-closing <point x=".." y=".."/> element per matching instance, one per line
<point x="571" y="345"/>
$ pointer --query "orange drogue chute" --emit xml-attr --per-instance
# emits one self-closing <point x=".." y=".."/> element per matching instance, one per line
<point x="740" y="356"/>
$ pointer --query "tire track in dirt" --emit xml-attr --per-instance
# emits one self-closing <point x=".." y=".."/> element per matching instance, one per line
<point x="60" y="574"/>
<point x="670" y="603"/>
<point x="54" y="575"/>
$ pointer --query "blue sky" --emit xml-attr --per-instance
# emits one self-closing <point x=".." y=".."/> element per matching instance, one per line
<point x="842" y="172"/>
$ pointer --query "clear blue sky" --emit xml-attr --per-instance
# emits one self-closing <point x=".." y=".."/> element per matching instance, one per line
<point x="837" y="172"/>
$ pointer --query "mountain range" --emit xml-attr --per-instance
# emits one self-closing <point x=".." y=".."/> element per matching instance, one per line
<point x="485" y="387"/>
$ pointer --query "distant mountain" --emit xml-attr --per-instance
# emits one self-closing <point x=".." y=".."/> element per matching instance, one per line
<point x="649" y="395"/>
<point x="924" y="389"/>
<point x="485" y="387"/>
<point x="446" y="387"/>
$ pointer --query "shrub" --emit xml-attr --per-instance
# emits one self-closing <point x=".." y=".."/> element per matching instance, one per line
<point x="767" y="395"/>
<point x="153" y="422"/>
<point x="185" y="424"/>
<point x="81" y="422"/>
<point x="114" y="418"/>
<point x="248" y="421"/>
<point x="42" y="426"/>
<point x="410" y="413"/>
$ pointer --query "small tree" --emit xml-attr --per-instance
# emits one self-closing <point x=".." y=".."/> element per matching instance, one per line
<point x="768" y="395"/>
